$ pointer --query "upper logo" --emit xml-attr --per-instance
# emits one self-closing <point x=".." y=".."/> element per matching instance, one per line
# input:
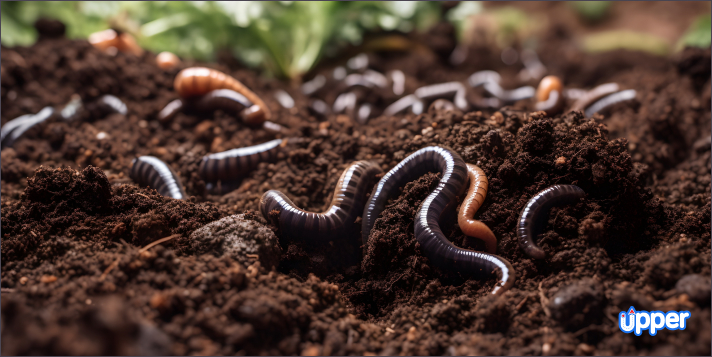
<point x="653" y="321"/>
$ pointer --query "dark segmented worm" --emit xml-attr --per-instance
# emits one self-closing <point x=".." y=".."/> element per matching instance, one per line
<point x="475" y="197"/>
<point x="427" y="220"/>
<point x="154" y="173"/>
<point x="610" y="100"/>
<point x="233" y="164"/>
<point x="346" y="206"/>
<point x="534" y="215"/>
<point x="13" y="129"/>
<point x="197" y="81"/>
<point x="225" y="99"/>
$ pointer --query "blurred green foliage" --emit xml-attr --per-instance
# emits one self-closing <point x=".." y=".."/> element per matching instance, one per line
<point x="591" y="10"/>
<point x="698" y="35"/>
<point x="629" y="40"/>
<point x="286" y="38"/>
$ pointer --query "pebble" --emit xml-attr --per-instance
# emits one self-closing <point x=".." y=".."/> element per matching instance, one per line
<point x="578" y="305"/>
<point x="697" y="288"/>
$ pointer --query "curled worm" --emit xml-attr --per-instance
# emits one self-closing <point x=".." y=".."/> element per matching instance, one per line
<point x="448" y="89"/>
<point x="225" y="99"/>
<point x="427" y="220"/>
<point x="154" y="173"/>
<point x="197" y="81"/>
<point x="513" y="95"/>
<point x="233" y="164"/>
<point x="593" y="95"/>
<point x="13" y="129"/>
<point x="534" y="215"/>
<point x="475" y="196"/>
<point x="346" y="206"/>
<point x="610" y="100"/>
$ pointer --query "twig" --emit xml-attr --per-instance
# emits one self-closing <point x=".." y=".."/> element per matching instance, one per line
<point x="544" y="301"/>
<point x="147" y="247"/>
<point x="155" y="243"/>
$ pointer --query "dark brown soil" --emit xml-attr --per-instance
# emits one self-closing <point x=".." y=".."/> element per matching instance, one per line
<point x="75" y="280"/>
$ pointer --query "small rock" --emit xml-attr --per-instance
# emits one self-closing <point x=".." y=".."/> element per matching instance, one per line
<point x="578" y="305"/>
<point x="239" y="237"/>
<point x="697" y="288"/>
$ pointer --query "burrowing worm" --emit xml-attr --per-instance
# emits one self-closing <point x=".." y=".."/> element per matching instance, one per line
<point x="534" y="215"/>
<point x="346" y="206"/>
<point x="475" y="197"/>
<point x="154" y="173"/>
<point x="427" y="226"/>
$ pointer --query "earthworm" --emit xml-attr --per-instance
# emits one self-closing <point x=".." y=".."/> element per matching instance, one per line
<point x="154" y="173"/>
<point x="594" y="94"/>
<point x="444" y="90"/>
<point x="319" y="107"/>
<point x="346" y="206"/>
<point x="364" y="111"/>
<point x="197" y="81"/>
<point x="233" y="164"/>
<point x="357" y="62"/>
<point x="345" y="102"/>
<point x="72" y="108"/>
<point x="443" y="104"/>
<point x="534" y="69"/>
<point x="427" y="219"/>
<point x="225" y="99"/>
<point x="475" y="196"/>
<point x="398" y="79"/>
<point x="534" y="215"/>
<point x="513" y="95"/>
<point x="167" y="60"/>
<point x="610" y="100"/>
<point x="13" y="129"/>
<point x="309" y="88"/>
<point x="113" y="103"/>
<point x="284" y="99"/>
<point x="401" y="104"/>
<point x="481" y="77"/>
<point x="551" y="105"/>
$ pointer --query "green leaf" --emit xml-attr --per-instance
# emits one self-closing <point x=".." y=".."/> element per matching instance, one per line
<point x="699" y="34"/>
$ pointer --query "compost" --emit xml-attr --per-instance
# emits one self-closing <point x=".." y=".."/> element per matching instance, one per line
<point x="80" y="274"/>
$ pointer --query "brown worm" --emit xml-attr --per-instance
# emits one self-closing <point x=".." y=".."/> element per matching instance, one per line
<point x="346" y="206"/>
<point x="474" y="199"/>
<point x="197" y="81"/>
<point x="167" y="60"/>
<point x="549" y="95"/>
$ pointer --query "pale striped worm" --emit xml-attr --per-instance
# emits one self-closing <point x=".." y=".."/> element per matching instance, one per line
<point x="154" y="173"/>
<point x="427" y="220"/>
<point x="13" y="129"/>
<point x="533" y="217"/>
<point x="441" y="90"/>
<point x="610" y="100"/>
<point x="346" y="206"/>
<point x="475" y="197"/>
<point x="593" y="95"/>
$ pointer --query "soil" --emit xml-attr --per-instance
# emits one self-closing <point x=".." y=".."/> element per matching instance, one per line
<point x="77" y="279"/>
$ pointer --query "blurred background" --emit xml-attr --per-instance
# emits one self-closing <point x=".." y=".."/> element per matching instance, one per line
<point x="288" y="39"/>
